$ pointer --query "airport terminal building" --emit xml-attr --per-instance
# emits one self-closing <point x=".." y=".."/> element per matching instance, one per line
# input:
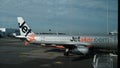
<point x="5" y="32"/>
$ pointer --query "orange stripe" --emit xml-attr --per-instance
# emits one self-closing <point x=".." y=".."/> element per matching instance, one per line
<point x="61" y="47"/>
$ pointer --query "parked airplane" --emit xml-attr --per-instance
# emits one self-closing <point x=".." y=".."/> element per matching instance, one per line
<point x="74" y="44"/>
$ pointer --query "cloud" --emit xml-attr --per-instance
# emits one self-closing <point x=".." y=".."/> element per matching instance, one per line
<point x="60" y="13"/>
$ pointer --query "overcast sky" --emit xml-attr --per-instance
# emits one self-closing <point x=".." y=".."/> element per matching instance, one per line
<point x="70" y="16"/>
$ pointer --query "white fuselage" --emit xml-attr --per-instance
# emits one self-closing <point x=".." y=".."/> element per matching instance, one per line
<point x="110" y="42"/>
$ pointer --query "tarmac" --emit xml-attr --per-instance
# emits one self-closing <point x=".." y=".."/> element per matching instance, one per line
<point x="14" y="54"/>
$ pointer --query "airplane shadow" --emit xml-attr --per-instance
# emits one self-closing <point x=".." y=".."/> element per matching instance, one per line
<point x="82" y="57"/>
<point x="55" y="50"/>
<point x="73" y="57"/>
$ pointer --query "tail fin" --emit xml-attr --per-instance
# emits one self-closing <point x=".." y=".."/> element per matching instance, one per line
<point x="23" y="27"/>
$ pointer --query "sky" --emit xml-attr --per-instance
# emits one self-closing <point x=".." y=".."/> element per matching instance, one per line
<point x="69" y="16"/>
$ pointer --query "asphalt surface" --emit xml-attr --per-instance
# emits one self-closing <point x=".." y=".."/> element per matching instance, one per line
<point x="14" y="54"/>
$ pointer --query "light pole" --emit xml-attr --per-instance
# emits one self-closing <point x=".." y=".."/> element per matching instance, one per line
<point x="107" y="16"/>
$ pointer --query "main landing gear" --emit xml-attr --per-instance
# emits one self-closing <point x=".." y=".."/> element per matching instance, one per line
<point x="67" y="52"/>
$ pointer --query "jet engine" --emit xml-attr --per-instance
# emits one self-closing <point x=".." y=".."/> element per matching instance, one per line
<point x="80" y="50"/>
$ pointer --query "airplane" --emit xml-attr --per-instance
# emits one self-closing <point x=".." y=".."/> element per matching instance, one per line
<point x="73" y="44"/>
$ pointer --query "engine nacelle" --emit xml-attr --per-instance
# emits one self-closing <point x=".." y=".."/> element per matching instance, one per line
<point x="81" y="50"/>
